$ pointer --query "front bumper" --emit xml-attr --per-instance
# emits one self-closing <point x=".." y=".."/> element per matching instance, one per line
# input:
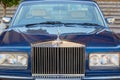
<point x="15" y="78"/>
<point x="60" y="78"/>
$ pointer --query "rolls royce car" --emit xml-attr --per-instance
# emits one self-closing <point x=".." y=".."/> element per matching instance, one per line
<point x="59" y="40"/>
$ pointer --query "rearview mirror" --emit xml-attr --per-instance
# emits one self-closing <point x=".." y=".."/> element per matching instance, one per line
<point x="110" y="20"/>
<point x="6" y="19"/>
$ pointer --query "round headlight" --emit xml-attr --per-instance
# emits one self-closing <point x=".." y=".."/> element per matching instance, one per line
<point x="12" y="59"/>
<point x="104" y="59"/>
<point x="94" y="60"/>
<point x="22" y="60"/>
<point x="114" y="60"/>
<point x="2" y="58"/>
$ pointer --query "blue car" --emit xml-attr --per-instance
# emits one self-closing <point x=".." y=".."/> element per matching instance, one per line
<point x="59" y="40"/>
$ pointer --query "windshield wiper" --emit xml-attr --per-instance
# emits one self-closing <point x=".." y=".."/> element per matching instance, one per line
<point x="58" y="22"/>
<point x="52" y="22"/>
<point x="98" y="28"/>
<point x="90" y="24"/>
<point x="47" y="22"/>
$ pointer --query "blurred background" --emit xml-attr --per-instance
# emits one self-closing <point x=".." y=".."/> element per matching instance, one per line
<point x="110" y="8"/>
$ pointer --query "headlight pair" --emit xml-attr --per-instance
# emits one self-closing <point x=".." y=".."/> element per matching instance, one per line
<point x="104" y="60"/>
<point x="13" y="60"/>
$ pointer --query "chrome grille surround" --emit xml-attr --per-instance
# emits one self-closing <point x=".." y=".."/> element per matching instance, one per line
<point x="58" y="61"/>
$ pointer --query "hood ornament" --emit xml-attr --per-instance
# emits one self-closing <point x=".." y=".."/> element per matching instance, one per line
<point x="58" y="41"/>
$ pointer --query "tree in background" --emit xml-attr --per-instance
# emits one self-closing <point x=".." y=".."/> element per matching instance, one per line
<point x="8" y="3"/>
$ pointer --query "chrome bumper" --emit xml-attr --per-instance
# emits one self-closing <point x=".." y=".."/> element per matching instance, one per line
<point x="83" y="78"/>
<point x="15" y="78"/>
<point x="60" y="78"/>
<point x="102" y="78"/>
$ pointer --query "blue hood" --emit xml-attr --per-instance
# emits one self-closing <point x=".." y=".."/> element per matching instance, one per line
<point x="24" y="37"/>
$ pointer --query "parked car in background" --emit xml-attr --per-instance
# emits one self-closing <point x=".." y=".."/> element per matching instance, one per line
<point x="53" y="40"/>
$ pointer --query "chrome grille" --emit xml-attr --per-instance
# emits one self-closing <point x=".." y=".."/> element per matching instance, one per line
<point x="63" y="60"/>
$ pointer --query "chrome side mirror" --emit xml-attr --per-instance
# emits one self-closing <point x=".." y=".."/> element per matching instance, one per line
<point x="110" y="20"/>
<point x="3" y="26"/>
<point x="6" y="19"/>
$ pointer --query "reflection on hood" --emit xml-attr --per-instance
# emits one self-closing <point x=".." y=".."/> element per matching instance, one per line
<point x="54" y="30"/>
<point x="25" y="36"/>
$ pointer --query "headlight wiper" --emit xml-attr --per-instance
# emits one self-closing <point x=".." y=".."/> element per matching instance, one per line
<point x="47" y="22"/>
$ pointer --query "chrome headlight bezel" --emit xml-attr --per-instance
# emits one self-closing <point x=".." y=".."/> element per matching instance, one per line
<point x="104" y="60"/>
<point x="13" y="60"/>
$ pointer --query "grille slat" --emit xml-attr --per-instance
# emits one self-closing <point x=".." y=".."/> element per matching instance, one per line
<point x="63" y="60"/>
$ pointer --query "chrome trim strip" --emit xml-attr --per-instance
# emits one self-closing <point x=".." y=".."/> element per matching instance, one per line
<point x="103" y="17"/>
<point x="63" y="44"/>
<point x="42" y="77"/>
<point x="15" y="47"/>
<point x="102" y="77"/>
<point x="59" y="75"/>
<point x="15" y="77"/>
<point x="103" y="47"/>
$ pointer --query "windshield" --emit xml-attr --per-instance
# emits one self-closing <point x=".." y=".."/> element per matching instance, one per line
<point x="68" y="12"/>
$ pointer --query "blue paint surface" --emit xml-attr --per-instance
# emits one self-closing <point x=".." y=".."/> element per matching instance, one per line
<point x="14" y="41"/>
<point x="17" y="39"/>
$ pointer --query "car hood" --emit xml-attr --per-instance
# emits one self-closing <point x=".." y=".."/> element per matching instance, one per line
<point x="25" y="37"/>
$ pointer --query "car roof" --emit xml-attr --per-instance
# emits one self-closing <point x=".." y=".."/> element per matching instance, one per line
<point x="56" y="0"/>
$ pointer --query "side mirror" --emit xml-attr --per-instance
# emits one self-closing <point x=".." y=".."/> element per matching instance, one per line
<point x="6" y="19"/>
<point x="110" y="20"/>
<point x="3" y="26"/>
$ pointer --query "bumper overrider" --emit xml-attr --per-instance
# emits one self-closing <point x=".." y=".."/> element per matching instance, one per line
<point x="60" y="78"/>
